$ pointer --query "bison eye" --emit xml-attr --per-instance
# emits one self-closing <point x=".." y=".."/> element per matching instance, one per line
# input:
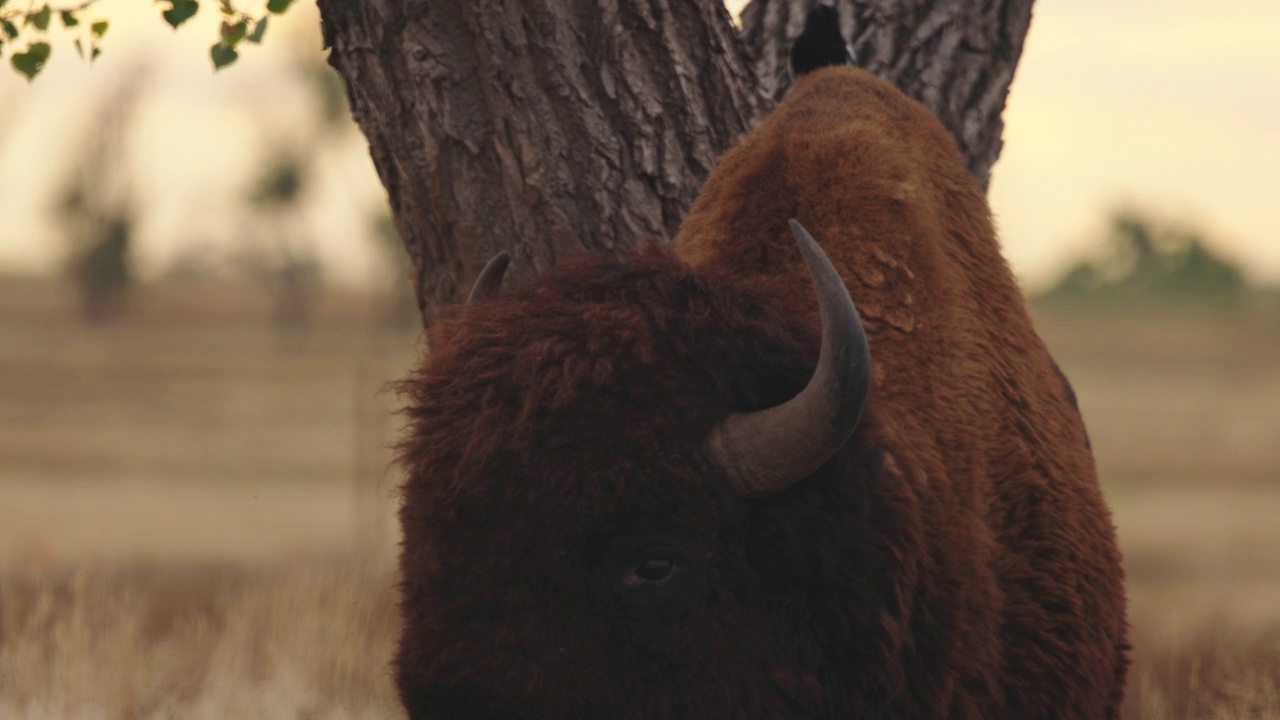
<point x="652" y="571"/>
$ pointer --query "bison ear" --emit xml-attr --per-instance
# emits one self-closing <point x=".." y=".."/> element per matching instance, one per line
<point x="489" y="282"/>
<point x="821" y="43"/>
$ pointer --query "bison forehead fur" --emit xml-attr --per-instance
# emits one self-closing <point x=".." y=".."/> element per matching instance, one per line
<point x="570" y="551"/>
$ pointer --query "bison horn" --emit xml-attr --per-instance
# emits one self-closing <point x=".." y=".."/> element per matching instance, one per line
<point x="489" y="282"/>
<point x="767" y="451"/>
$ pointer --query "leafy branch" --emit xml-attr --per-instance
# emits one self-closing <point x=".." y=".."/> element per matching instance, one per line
<point x="237" y="25"/>
<point x="29" y="29"/>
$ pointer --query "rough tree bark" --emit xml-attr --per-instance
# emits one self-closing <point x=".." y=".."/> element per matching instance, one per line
<point x="542" y="127"/>
<point x="956" y="57"/>
<point x="545" y="127"/>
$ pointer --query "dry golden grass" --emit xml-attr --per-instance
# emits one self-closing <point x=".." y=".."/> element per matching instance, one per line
<point x="1217" y="671"/>
<point x="1204" y="600"/>
<point x="194" y="511"/>
<point x="1184" y="413"/>
<point x="198" y="642"/>
<point x="195" y="522"/>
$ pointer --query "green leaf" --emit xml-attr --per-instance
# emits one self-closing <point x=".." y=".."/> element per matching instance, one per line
<point x="69" y="18"/>
<point x="222" y="55"/>
<point x="233" y="33"/>
<point x="96" y="52"/>
<point x="31" y="62"/>
<point x="180" y="11"/>
<point x="40" y="18"/>
<point x="79" y="48"/>
<point x="275" y="7"/>
<point x="259" y="29"/>
<point x="9" y="28"/>
<point x="227" y="8"/>
<point x="99" y="28"/>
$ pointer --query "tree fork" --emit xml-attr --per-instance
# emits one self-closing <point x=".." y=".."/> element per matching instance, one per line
<point x="546" y="127"/>
<point x="955" y="56"/>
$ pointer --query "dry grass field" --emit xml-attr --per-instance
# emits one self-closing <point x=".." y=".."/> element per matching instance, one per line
<point x="1183" y="409"/>
<point x="194" y="510"/>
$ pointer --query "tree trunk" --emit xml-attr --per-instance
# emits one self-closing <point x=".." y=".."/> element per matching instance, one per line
<point x="543" y="127"/>
<point x="955" y="56"/>
<point x="546" y="127"/>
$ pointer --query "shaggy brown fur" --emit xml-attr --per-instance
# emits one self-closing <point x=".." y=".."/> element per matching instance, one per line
<point x="954" y="560"/>
<point x="981" y="414"/>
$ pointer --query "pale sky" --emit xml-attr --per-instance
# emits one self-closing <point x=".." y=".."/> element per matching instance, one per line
<point x="1172" y="105"/>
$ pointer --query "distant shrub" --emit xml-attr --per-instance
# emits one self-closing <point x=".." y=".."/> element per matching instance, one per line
<point x="101" y="269"/>
<point x="1149" y="259"/>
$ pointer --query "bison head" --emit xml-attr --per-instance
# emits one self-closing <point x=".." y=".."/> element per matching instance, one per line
<point x="629" y="495"/>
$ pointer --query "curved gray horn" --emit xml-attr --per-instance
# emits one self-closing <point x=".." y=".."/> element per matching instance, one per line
<point x="489" y="281"/>
<point x="767" y="451"/>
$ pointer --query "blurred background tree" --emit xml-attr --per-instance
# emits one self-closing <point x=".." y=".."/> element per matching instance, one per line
<point x="1149" y="258"/>
<point x="97" y="208"/>
<point x="279" y="250"/>
<point x="279" y="239"/>
<point x="397" y="306"/>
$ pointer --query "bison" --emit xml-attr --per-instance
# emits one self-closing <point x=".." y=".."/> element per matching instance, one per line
<point x="698" y="484"/>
